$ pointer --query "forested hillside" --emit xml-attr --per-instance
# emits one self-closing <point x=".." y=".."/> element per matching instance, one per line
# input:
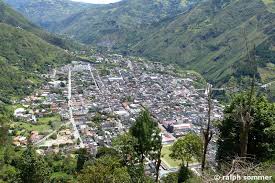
<point x="208" y="36"/>
<point x="48" y="12"/>
<point x="119" y="24"/>
<point x="24" y="50"/>
<point x="211" y="38"/>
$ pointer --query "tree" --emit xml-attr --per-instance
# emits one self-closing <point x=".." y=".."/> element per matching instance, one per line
<point x="155" y="153"/>
<point x="148" y="140"/>
<point x="82" y="156"/>
<point x="8" y="173"/>
<point x="186" y="148"/>
<point x="144" y="130"/>
<point x="124" y="145"/>
<point x="170" y="178"/>
<point x="182" y="175"/>
<point x="261" y="133"/>
<point x="127" y="146"/>
<point x="107" y="151"/>
<point x="105" y="170"/>
<point x="33" y="168"/>
<point x="207" y="133"/>
<point x="243" y="113"/>
<point x="4" y="129"/>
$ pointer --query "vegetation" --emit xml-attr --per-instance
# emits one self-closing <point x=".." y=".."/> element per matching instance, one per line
<point x="25" y="50"/>
<point x="187" y="149"/>
<point x="260" y="133"/>
<point x="205" y="36"/>
<point x="45" y="13"/>
<point x="146" y="131"/>
<point x="166" y="158"/>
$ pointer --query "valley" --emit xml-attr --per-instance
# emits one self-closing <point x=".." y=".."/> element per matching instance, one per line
<point x="98" y="101"/>
<point x="205" y="36"/>
<point x="138" y="91"/>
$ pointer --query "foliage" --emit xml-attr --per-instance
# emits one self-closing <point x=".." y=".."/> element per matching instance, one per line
<point x="124" y="144"/>
<point x="146" y="131"/>
<point x="186" y="148"/>
<point x="183" y="175"/>
<point x="3" y="130"/>
<point x="82" y="156"/>
<point x="104" y="170"/>
<point x="261" y="134"/>
<point x="170" y="178"/>
<point x="202" y="35"/>
<point x="32" y="168"/>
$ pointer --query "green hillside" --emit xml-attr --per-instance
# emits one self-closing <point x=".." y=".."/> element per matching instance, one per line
<point x="115" y="25"/>
<point x="23" y="54"/>
<point x="13" y="18"/>
<point x="47" y="12"/>
<point x="207" y="36"/>
<point x="210" y="38"/>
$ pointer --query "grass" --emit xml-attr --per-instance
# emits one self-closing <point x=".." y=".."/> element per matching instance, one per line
<point x="30" y="127"/>
<point x="11" y="108"/>
<point x="43" y="126"/>
<point x="165" y="152"/>
<point x="46" y="120"/>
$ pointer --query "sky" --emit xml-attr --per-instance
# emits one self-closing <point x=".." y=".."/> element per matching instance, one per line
<point x="98" y="1"/>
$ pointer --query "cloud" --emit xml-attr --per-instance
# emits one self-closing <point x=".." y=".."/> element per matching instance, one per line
<point x="98" y="1"/>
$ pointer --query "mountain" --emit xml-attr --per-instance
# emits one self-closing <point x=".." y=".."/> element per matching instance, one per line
<point x="116" y="25"/>
<point x="23" y="53"/>
<point x="210" y="39"/>
<point x="47" y="12"/>
<point x="103" y="25"/>
<point x="204" y="35"/>
<point x="207" y="36"/>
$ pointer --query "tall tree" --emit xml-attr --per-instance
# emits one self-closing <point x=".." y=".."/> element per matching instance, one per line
<point x="155" y="153"/>
<point x="187" y="148"/>
<point x="124" y="144"/>
<point x="148" y="140"/>
<point x="207" y="133"/>
<point x="144" y="130"/>
<point x="261" y="134"/>
<point x="82" y="156"/>
<point x="244" y="111"/>
<point x="33" y="168"/>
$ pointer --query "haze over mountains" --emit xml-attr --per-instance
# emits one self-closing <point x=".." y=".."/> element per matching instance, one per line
<point x="207" y="36"/>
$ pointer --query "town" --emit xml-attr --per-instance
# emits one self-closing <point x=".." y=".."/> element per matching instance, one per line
<point x="87" y="104"/>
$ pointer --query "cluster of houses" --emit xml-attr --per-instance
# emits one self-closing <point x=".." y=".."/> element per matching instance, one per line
<point x="105" y="104"/>
<point x="101" y="100"/>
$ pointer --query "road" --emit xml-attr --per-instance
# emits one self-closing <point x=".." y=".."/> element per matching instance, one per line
<point x="48" y="136"/>
<point x="76" y="132"/>
<point x="96" y="83"/>
<point x="90" y="69"/>
<point x="44" y="138"/>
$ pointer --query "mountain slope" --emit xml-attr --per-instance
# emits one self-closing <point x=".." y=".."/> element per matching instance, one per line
<point x="23" y="54"/>
<point x="47" y="12"/>
<point x="210" y="38"/>
<point x="205" y="35"/>
<point x="117" y="24"/>
<point x="15" y="19"/>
